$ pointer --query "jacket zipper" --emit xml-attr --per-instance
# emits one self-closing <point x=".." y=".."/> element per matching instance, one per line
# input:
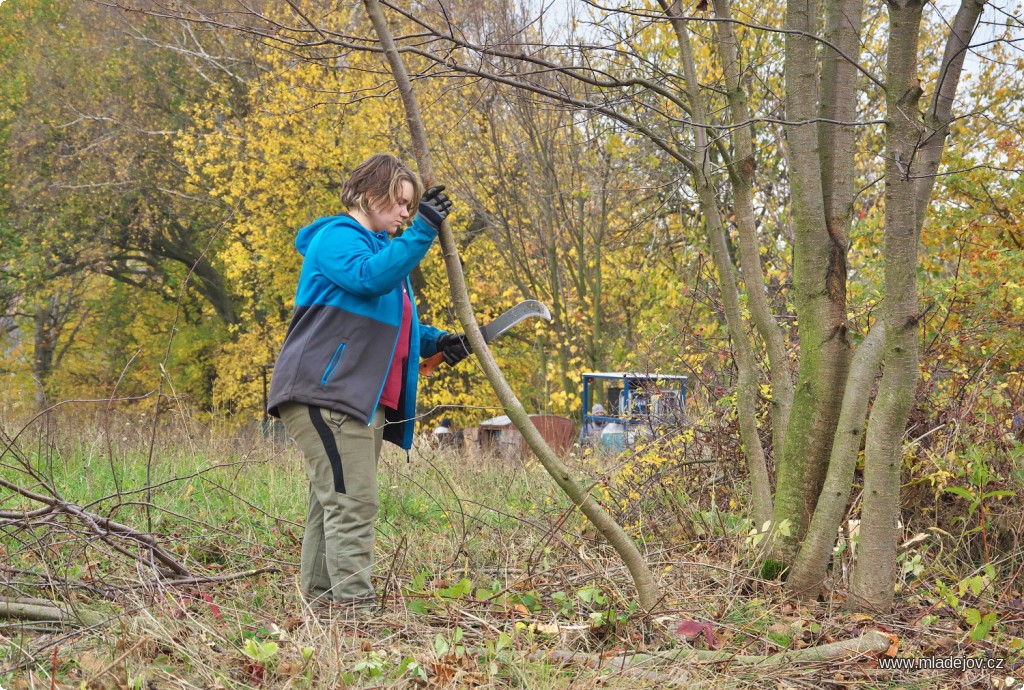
<point x="394" y="347"/>
<point x="332" y="365"/>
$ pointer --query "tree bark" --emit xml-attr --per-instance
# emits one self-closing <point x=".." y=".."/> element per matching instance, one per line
<point x="875" y="571"/>
<point x="746" y="364"/>
<point x="811" y="565"/>
<point x="871" y="642"/>
<point x="940" y="113"/>
<point x="45" y="611"/>
<point x="819" y="293"/>
<point x="742" y="172"/>
<point x="44" y="344"/>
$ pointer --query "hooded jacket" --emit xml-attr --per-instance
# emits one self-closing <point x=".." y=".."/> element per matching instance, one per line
<point x="347" y="319"/>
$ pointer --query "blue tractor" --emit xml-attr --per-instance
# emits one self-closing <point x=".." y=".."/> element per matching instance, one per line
<point x="617" y="404"/>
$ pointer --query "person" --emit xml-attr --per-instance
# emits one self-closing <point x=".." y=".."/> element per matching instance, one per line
<point x="346" y="376"/>
<point x="594" y="426"/>
<point x="444" y="436"/>
<point x="445" y="427"/>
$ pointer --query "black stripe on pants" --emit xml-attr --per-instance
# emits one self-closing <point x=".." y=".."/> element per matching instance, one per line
<point x="330" y="445"/>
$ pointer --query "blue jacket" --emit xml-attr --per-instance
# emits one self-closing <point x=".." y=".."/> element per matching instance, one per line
<point x="348" y="314"/>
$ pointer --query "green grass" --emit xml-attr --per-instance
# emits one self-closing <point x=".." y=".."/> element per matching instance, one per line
<point x="486" y="566"/>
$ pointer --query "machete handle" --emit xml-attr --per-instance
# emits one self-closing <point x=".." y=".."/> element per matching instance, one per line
<point x="428" y="365"/>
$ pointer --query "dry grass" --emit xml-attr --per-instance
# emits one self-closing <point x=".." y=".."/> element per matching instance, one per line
<point x="488" y="578"/>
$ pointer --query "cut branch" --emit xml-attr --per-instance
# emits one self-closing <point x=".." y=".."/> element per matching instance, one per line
<point x="41" y="610"/>
<point x="871" y="642"/>
<point x="102" y="527"/>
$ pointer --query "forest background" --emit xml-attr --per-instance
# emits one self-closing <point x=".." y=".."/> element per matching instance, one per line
<point x="157" y="164"/>
<point x="153" y="185"/>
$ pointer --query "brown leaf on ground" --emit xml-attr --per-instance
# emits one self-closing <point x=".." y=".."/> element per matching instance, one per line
<point x="289" y="668"/>
<point x="442" y="673"/>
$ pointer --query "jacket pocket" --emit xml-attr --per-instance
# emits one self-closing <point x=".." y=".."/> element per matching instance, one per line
<point x="333" y="364"/>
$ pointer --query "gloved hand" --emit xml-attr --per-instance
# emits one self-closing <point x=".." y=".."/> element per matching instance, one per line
<point x="435" y="206"/>
<point x="455" y="347"/>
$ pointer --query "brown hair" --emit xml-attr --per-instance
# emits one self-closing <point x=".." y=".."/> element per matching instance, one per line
<point x="379" y="178"/>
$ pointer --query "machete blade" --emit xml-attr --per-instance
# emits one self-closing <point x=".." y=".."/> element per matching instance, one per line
<point x="523" y="310"/>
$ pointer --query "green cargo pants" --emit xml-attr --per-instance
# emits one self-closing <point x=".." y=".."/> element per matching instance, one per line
<point x="341" y="462"/>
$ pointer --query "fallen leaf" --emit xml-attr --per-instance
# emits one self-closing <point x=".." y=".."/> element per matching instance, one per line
<point x="709" y="636"/>
<point x="257" y="674"/>
<point x="689" y="628"/>
<point x="214" y="609"/>
<point x="443" y="673"/>
<point x="289" y="668"/>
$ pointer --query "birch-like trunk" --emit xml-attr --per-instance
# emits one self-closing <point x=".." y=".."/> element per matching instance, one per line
<point x="875" y="571"/>
<point x="819" y="289"/>
<point x="746" y="363"/>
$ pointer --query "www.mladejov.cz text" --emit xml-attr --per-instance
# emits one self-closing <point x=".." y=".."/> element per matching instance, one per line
<point x="938" y="663"/>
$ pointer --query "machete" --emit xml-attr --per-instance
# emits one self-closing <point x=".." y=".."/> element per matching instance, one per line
<point x="496" y="328"/>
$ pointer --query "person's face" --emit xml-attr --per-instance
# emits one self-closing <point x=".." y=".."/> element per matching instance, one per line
<point x="385" y="215"/>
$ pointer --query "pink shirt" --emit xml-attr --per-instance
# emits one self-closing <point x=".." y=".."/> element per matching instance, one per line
<point x="393" y="383"/>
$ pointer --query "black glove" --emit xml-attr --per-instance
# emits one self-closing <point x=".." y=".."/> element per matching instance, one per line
<point x="455" y="347"/>
<point x="435" y="206"/>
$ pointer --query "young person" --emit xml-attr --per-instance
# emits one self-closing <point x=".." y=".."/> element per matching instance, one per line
<point x="346" y="377"/>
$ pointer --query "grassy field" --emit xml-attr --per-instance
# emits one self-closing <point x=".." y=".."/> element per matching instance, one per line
<point x="488" y="576"/>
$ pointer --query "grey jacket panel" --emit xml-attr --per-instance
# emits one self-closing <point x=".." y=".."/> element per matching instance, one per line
<point x="335" y="359"/>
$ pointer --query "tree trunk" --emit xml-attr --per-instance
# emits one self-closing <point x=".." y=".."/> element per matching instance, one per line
<point x="875" y="571"/>
<point x="940" y="114"/>
<point x="837" y="103"/>
<point x="44" y="345"/>
<point x="819" y="281"/>
<point x="811" y="565"/>
<point x="179" y="246"/>
<point x="742" y="174"/>
<point x="746" y="364"/>
<point x="648" y="591"/>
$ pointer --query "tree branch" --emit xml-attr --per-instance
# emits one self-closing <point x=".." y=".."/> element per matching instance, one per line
<point x="647" y="588"/>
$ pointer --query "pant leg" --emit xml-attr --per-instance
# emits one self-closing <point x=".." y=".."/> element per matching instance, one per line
<point x="313" y="577"/>
<point x="314" y="580"/>
<point x="341" y="463"/>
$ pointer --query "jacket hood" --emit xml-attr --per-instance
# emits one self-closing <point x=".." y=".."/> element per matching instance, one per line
<point x="305" y="235"/>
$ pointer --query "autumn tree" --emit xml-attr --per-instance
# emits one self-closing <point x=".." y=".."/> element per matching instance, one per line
<point x="809" y="149"/>
<point x="819" y="416"/>
<point x="95" y="197"/>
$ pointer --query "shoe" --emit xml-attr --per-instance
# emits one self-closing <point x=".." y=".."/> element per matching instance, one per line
<point x="346" y="610"/>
